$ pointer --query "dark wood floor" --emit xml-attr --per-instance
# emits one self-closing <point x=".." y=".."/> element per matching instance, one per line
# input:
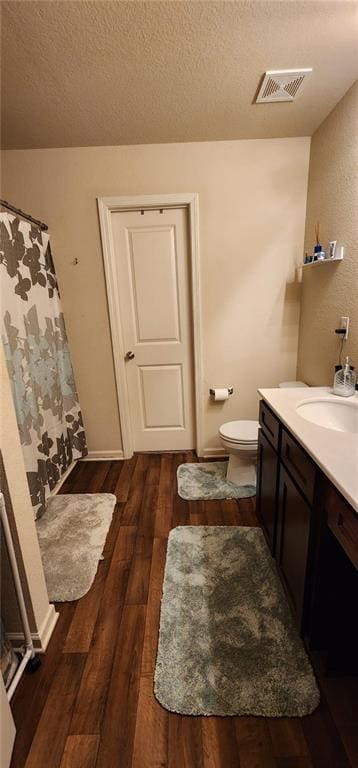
<point x="91" y="703"/>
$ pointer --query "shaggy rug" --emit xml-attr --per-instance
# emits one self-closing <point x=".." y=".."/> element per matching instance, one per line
<point x="72" y="533"/>
<point x="208" y="481"/>
<point x="227" y="641"/>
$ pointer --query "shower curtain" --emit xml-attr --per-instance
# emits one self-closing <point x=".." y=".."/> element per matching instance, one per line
<point x="38" y="358"/>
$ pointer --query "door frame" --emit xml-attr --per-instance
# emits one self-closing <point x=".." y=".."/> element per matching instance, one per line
<point x="107" y="206"/>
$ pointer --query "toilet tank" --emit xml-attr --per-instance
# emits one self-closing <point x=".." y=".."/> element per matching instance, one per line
<point x="289" y="384"/>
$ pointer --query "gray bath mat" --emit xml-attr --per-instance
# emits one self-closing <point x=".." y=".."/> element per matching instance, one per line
<point x="72" y="533"/>
<point x="208" y="481"/>
<point x="227" y="642"/>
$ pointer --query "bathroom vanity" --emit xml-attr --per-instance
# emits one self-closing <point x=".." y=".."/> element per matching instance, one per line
<point x="307" y="503"/>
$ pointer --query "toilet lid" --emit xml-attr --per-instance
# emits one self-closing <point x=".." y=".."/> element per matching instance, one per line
<point x="240" y="431"/>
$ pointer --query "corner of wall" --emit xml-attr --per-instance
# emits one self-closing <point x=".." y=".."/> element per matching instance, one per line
<point x="329" y="290"/>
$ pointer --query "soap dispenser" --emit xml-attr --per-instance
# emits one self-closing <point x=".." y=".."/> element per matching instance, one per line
<point x="345" y="380"/>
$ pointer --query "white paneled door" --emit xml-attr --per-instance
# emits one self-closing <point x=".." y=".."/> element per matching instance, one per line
<point x="152" y="260"/>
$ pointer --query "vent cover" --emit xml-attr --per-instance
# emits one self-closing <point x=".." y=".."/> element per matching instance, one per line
<point x="281" y="85"/>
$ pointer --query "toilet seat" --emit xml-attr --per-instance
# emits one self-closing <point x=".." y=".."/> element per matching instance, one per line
<point x="243" y="433"/>
<point x="240" y="442"/>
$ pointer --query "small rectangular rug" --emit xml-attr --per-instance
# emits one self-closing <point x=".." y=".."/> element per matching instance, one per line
<point x="228" y="644"/>
<point x="72" y="534"/>
<point x="208" y="481"/>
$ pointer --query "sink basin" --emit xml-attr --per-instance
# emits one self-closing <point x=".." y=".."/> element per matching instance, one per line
<point x="332" y="414"/>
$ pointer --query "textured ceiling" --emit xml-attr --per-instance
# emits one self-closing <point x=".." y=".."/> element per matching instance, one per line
<point x="102" y="73"/>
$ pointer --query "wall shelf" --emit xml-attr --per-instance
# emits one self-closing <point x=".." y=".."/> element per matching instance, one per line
<point x="339" y="257"/>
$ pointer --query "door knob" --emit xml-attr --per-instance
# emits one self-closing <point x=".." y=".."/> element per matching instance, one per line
<point x="129" y="356"/>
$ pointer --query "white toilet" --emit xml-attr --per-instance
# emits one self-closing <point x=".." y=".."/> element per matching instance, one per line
<point x="240" y="440"/>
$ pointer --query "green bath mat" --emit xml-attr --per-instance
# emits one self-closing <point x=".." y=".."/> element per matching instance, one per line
<point x="72" y="534"/>
<point x="228" y="644"/>
<point x="208" y="481"/>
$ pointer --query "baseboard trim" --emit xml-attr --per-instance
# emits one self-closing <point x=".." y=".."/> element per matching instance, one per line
<point x="212" y="453"/>
<point x="48" y="626"/>
<point x="41" y="638"/>
<point x="103" y="456"/>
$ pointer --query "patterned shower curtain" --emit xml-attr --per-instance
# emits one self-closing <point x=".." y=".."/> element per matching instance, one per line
<point x="38" y="358"/>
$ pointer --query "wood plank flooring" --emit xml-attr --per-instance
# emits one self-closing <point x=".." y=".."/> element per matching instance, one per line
<point x="91" y="703"/>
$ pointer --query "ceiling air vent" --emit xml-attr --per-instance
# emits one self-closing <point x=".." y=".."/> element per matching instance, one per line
<point x="281" y="85"/>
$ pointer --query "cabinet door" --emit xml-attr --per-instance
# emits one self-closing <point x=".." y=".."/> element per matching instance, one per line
<point x="267" y="469"/>
<point x="333" y="623"/>
<point x="293" y="532"/>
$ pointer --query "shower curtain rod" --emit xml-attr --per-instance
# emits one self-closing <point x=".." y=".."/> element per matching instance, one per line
<point x="24" y="215"/>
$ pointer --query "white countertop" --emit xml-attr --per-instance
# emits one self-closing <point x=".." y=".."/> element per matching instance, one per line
<point x="336" y="453"/>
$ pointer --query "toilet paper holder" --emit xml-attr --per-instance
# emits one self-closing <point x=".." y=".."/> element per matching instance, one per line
<point x="229" y="389"/>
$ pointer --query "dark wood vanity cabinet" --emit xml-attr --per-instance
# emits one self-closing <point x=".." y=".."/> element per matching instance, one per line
<point x="285" y="489"/>
<point x="313" y="534"/>
<point x="299" y="465"/>
<point x="294" y="521"/>
<point x="267" y="476"/>
<point x="270" y="425"/>
<point x="342" y="522"/>
<point x="333" y="621"/>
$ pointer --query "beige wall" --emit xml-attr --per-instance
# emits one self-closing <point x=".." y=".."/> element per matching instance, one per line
<point x="331" y="290"/>
<point x="41" y="614"/>
<point x="252" y="198"/>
